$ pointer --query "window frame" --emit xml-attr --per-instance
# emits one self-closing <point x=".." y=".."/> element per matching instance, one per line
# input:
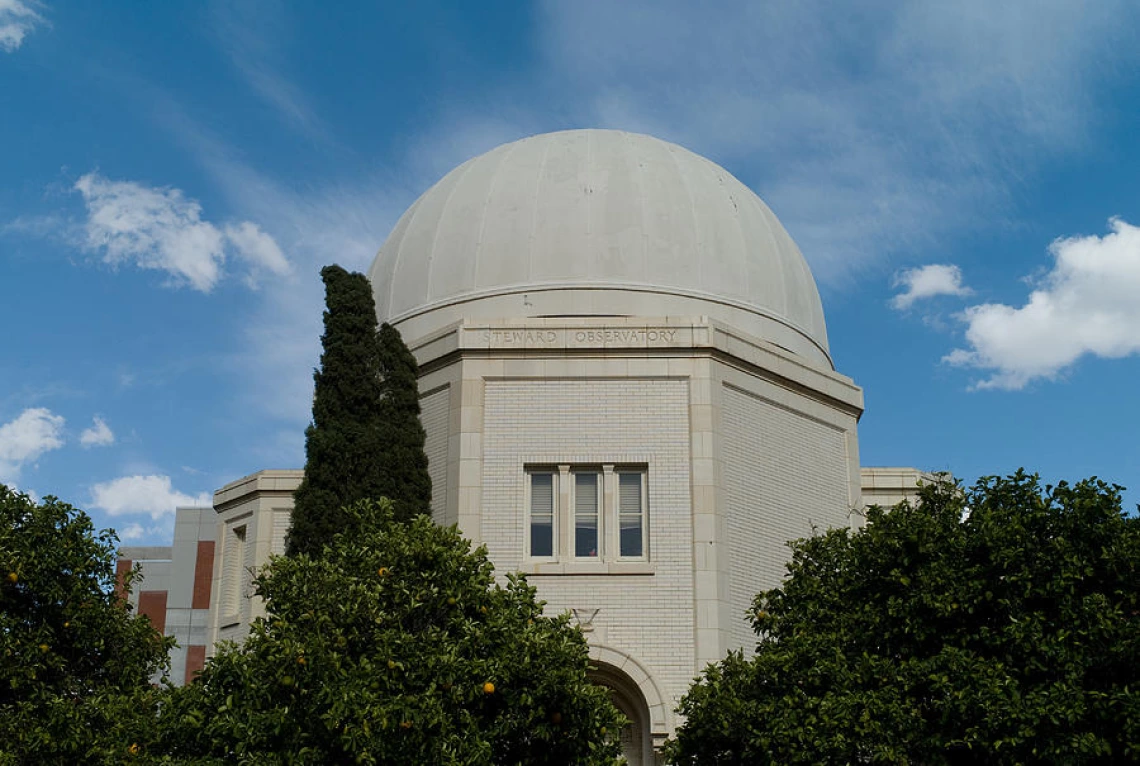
<point x="555" y="537"/>
<point x="564" y="516"/>
<point x="573" y="513"/>
<point x="642" y="514"/>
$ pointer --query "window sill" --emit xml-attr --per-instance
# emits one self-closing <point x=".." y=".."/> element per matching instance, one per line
<point x="556" y="568"/>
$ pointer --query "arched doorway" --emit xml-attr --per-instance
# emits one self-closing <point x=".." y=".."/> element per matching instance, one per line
<point x="636" y="743"/>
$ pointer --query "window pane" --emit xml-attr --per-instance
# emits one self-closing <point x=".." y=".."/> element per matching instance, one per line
<point x="541" y="538"/>
<point x="541" y="514"/>
<point x="585" y="515"/>
<point x="631" y="515"/>
<point x="631" y="536"/>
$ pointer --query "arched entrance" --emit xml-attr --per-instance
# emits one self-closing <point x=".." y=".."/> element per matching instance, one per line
<point x="636" y="743"/>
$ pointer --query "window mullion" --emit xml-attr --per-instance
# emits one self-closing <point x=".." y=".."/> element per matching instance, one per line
<point x="608" y="513"/>
<point x="564" y="514"/>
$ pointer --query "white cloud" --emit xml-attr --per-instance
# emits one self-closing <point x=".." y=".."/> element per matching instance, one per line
<point x="152" y="495"/>
<point x="17" y="19"/>
<point x="1087" y="304"/>
<point x="160" y="228"/>
<point x="159" y="533"/>
<point x="98" y="435"/>
<point x="258" y="248"/>
<point x="927" y="282"/>
<point x="132" y="532"/>
<point x="34" y="431"/>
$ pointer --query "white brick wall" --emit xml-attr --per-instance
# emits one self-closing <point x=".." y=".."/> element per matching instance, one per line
<point x="434" y="416"/>
<point x="783" y="473"/>
<point x="641" y="421"/>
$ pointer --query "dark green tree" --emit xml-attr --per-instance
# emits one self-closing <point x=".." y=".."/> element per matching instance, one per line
<point x="994" y="625"/>
<point x="75" y="663"/>
<point x="345" y="455"/>
<point x="407" y="482"/>
<point x="395" y="645"/>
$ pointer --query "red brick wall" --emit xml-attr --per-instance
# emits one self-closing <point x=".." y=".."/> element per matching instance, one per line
<point x="122" y="566"/>
<point x="152" y="603"/>
<point x="203" y="574"/>
<point x="195" y="660"/>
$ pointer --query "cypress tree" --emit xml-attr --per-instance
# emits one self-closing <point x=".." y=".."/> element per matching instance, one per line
<point x="345" y="455"/>
<point x="408" y="484"/>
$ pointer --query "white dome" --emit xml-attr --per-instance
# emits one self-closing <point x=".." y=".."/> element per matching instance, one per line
<point x="596" y="222"/>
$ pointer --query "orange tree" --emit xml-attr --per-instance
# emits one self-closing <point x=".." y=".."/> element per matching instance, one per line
<point x="395" y="645"/>
<point x="75" y="663"/>
<point x="992" y="625"/>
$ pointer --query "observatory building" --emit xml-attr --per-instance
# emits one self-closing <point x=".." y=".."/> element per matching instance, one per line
<point x="628" y="395"/>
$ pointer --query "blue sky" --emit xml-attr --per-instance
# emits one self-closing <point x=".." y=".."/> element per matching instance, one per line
<point x="962" y="177"/>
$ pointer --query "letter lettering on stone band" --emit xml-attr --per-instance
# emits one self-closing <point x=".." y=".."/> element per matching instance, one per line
<point x="599" y="337"/>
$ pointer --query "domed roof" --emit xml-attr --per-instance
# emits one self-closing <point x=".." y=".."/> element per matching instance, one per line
<point x="596" y="222"/>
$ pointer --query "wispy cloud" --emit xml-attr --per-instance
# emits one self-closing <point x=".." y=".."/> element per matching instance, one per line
<point x="98" y="435"/>
<point x="1085" y="305"/>
<point x="152" y="495"/>
<point x="927" y="282"/>
<point x="872" y="128"/>
<point x="32" y="433"/>
<point x="160" y="228"/>
<point x="17" y="19"/>
<point x="252" y="33"/>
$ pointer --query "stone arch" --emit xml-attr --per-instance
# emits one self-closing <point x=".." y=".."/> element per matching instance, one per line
<point x="633" y="684"/>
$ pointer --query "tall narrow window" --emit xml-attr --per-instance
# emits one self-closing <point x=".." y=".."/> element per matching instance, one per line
<point x="586" y="491"/>
<point x="542" y="514"/>
<point x="631" y="514"/>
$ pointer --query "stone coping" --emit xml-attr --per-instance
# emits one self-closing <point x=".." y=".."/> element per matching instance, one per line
<point x="281" y="481"/>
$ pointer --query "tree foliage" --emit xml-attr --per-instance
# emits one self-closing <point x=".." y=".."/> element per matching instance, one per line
<point x="395" y="645"/>
<point x="344" y="456"/>
<point x="407" y="483"/>
<point x="365" y="440"/>
<point x="75" y="663"/>
<point x="998" y="624"/>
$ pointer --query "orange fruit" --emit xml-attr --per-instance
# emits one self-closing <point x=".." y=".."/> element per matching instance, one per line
<point x="405" y="724"/>
<point x="13" y="577"/>
<point x="382" y="571"/>
<point x="44" y="647"/>
<point x="488" y="688"/>
<point x="300" y="660"/>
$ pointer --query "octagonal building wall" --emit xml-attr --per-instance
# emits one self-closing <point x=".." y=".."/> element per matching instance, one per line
<point x="744" y="446"/>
